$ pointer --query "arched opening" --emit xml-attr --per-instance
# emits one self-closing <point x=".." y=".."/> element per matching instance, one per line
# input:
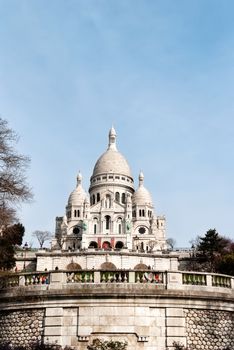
<point x="106" y="245"/>
<point x="93" y="200"/>
<point x="95" y="222"/>
<point x="108" y="201"/>
<point x="119" y="245"/>
<point x="119" y="225"/>
<point x="141" y="267"/>
<point x="123" y="198"/>
<point x="117" y="197"/>
<point x="93" y="244"/>
<point x="108" y="266"/>
<point x="107" y="218"/>
<point x="73" y="266"/>
<point x="98" y="197"/>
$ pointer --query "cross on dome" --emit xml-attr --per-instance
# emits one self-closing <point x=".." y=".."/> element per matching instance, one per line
<point x="141" y="178"/>
<point x="112" y="139"/>
<point x="79" y="178"/>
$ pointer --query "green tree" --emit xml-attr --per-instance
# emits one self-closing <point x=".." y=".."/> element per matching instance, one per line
<point x="209" y="249"/>
<point x="226" y="264"/>
<point x="212" y="253"/>
<point x="10" y="237"/>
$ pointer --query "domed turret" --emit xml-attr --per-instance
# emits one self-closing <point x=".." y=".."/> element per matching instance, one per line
<point x="78" y="196"/>
<point x="111" y="169"/>
<point x="112" y="161"/>
<point x="142" y="195"/>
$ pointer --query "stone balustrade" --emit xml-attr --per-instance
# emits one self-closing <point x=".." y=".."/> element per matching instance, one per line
<point x="167" y="279"/>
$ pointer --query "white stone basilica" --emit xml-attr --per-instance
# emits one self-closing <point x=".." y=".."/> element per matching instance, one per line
<point x="114" y="216"/>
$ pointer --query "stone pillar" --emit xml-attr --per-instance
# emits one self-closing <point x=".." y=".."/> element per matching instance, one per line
<point x="175" y="327"/>
<point x="53" y="325"/>
<point x="69" y="326"/>
<point x="57" y="278"/>
<point x="174" y="280"/>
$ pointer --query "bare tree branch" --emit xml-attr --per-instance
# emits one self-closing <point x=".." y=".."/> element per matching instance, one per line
<point x="42" y="236"/>
<point x="13" y="186"/>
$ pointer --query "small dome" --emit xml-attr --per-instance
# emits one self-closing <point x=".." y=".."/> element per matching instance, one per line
<point x="142" y="195"/>
<point x="112" y="161"/>
<point x="108" y="266"/>
<point x="78" y="196"/>
<point x="73" y="266"/>
<point x="141" y="266"/>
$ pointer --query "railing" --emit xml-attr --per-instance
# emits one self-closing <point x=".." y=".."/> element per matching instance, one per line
<point x="114" y="276"/>
<point x="37" y="278"/>
<point x="149" y="277"/>
<point x="164" y="279"/>
<point x="221" y="281"/>
<point x="9" y="281"/>
<point x="194" y="279"/>
<point x="80" y="277"/>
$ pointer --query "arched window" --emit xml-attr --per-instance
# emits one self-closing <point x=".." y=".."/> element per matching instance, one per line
<point x="93" y="244"/>
<point x="98" y="197"/>
<point x="106" y="245"/>
<point x="74" y="213"/>
<point x="123" y="199"/>
<point x="95" y="221"/>
<point x="119" y="245"/>
<point x="139" y="212"/>
<point x="78" y="213"/>
<point x="108" y="201"/>
<point x="107" y="222"/>
<point x="93" y="199"/>
<point x="143" y="212"/>
<point x="117" y="196"/>
<point x="119" y="224"/>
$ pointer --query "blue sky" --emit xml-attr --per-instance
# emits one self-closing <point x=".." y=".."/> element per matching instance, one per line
<point x="161" y="71"/>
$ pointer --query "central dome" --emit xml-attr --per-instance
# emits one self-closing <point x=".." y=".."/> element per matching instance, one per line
<point x="112" y="161"/>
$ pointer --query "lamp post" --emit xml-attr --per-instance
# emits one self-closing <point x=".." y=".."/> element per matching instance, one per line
<point x="25" y="248"/>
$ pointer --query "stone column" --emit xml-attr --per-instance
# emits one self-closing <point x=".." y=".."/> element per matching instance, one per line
<point x="175" y="327"/>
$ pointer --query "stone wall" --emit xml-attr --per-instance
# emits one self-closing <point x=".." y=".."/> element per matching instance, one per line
<point x="88" y="260"/>
<point x="209" y="329"/>
<point x="21" y="327"/>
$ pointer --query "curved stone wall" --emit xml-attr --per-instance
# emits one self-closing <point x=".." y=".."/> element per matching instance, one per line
<point x="22" y="327"/>
<point x="209" y="329"/>
<point x="149" y="310"/>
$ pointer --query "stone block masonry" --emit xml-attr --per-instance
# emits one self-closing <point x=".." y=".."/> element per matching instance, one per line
<point x="21" y="327"/>
<point x="209" y="329"/>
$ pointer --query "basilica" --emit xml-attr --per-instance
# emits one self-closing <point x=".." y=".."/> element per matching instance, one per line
<point x="113" y="215"/>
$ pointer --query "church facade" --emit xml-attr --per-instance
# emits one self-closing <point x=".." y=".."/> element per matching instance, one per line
<point x="112" y="215"/>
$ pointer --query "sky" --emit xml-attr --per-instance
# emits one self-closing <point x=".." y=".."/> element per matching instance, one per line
<point x="162" y="72"/>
